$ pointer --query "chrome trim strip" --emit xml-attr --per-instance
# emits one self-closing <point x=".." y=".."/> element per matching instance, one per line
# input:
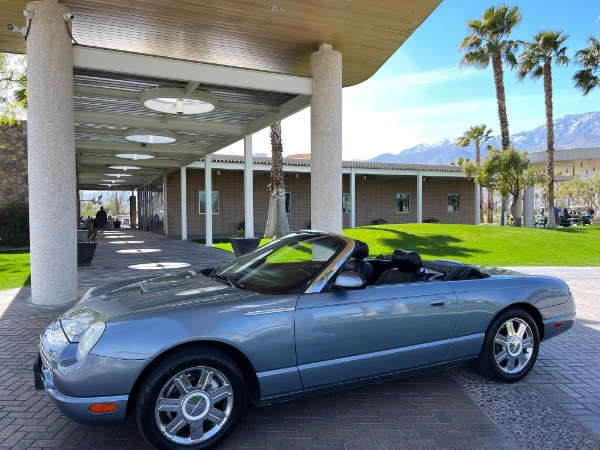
<point x="269" y="311"/>
<point x="319" y="283"/>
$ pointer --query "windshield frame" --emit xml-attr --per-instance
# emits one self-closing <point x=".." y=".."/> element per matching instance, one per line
<point x="314" y="281"/>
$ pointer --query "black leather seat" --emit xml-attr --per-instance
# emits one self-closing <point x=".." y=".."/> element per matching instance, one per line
<point x="356" y="264"/>
<point x="407" y="268"/>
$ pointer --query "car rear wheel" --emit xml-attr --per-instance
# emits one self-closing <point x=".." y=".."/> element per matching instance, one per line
<point x="510" y="348"/>
<point x="191" y="400"/>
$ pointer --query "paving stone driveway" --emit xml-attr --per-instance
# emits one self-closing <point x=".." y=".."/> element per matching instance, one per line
<point x="451" y="409"/>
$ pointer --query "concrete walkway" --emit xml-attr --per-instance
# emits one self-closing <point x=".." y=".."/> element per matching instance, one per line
<point x="557" y="406"/>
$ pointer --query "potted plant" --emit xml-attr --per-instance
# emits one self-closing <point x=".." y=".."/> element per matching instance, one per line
<point x="86" y="246"/>
<point x="241" y="244"/>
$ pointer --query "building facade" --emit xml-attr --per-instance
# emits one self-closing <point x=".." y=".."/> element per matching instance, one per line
<point x="382" y="193"/>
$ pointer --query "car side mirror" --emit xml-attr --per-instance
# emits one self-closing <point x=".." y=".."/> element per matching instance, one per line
<point x="350" y="280"/>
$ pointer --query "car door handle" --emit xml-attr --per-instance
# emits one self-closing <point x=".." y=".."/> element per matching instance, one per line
<point x="438" y="302"/>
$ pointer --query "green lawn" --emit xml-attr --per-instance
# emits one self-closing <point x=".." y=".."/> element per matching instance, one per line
<point x="484" y="245"/>
<point x="14" y="269"/>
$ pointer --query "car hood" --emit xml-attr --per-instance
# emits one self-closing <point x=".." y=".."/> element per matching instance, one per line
<point x="149" y="296"/>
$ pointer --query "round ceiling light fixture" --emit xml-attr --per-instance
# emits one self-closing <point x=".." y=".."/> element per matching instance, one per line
<point x="274" y="8"/>
<point x="177" y="101"/>
<point x="134" y="156"/>
<point x="118" y="175"/>
<point x="150" y="136"/>
<point x="113" y="181"/>
<point x="124" y="168"/>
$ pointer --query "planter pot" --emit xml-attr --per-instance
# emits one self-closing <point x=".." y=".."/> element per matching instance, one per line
<point x="241" y="246"/>
<point x="85" y="253"/>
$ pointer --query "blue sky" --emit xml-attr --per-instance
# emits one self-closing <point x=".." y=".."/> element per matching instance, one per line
<point x="421" y="95"/>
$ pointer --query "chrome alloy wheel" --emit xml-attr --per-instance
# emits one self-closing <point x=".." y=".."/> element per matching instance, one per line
<point x="194" y="405"/>
<point x="514" y="345"/>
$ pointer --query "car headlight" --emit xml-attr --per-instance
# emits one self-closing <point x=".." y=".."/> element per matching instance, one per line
<point x="88" y="339"/>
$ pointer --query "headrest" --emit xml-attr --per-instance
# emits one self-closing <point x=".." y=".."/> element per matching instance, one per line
<point x="361" y="250"/>
<point x="407" y="261"/>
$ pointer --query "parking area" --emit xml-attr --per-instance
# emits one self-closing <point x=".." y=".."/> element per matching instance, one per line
<point x="557" y="406"/>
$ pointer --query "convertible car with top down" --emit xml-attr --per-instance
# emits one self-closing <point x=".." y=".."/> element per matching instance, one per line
<point x="306" y="313"/>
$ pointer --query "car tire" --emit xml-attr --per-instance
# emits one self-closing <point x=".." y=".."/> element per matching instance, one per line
<point x="510" y="348"/>
<point x="192" y="399"/>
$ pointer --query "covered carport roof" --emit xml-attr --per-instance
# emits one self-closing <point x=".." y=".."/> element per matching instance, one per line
<point x="253" y="55"/>
<point x="569" y="161"/>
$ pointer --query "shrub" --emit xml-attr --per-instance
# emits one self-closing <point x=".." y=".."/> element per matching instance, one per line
<point x="14" y="225"/>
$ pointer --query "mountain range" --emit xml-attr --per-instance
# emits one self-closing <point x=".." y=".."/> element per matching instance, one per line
<point x="570" y="131"/>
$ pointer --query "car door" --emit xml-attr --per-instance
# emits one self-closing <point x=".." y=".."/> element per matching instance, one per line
<point x="352" y="334"/>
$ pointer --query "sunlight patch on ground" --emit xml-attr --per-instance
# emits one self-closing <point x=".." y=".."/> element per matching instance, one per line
<point x="118" y="237"/>
<point x="127" y="242"/>
<point x="140" y="250"/>
<point x="165" y="265"/>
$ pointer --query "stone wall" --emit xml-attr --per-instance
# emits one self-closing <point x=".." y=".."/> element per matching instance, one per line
<point x="13" y="164"/>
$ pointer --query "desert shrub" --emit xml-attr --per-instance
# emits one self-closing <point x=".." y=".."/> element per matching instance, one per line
<point x="14" y="225"/>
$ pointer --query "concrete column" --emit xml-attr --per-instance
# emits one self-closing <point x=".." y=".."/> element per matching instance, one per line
<point x="184" y="235"/>
<point x="528" y="207"/>
<point x="165" y="206"/>
<point x="208" y="193"/>
<point x="518" y="212"/>
<point x="248" y="188"/>
<point x="326" y="140"/>
<point x="51" y="155"/>
<point x="352" y="197"/>
<point x="419" y="198"/>
<point x="477" y="203"/>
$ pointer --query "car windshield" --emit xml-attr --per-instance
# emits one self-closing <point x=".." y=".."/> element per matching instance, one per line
<point x="283" y="266"/>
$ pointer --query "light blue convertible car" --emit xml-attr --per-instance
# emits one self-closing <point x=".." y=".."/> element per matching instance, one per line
<point x="307" y="313"/>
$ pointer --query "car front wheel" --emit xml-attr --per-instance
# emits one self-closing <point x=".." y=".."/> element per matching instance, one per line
<point x="191" y="400"/>
<point x="511" y="347"/>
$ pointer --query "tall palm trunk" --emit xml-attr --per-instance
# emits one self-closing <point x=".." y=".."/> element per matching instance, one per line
<point x="478" y="161"/>
<point x="550" y="140"/>
<point x="502" y="116"/>
<point x="277" y="222"/>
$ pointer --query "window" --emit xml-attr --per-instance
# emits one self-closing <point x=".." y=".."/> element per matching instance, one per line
<point x="215" y="202"/>
<point x="453" y="203"/>
<point x="346" y="203"/>
<point x="402" y="203"/>
<point x="288" y="202"/>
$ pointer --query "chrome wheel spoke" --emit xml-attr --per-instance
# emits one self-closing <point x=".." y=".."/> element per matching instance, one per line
<point x="510" y="328"/>
<point x="216" y="416"/>
<point x="183" y="384"/>
<point x="501" y="340"/>
<point x="197" y="430"/>
<point x="168" y="404"/>
<point x="176" y="424"/>
<point x="205" y="379"/>
<point x="511" y="363"/>
<point x="527" y="343"/>
<point x="522" y="329"/>
<point x="219" y="394"/>
<point x="501" y="356"/>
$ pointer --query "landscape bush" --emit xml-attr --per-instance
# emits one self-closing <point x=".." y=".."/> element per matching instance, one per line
<point x="14" y="225"/>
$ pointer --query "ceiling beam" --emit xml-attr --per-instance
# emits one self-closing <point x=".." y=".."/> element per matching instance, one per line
<point x="155" y="122"/>
<point x="134" y="95"/>
<point x="126" y="147"/>
<point x="181" y="137"/>
<point x="151" y="66"/>
<point x="110" y="161"/>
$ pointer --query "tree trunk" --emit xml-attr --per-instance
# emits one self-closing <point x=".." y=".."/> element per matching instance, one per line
<point x="277" y="222"/>
<point x="477" y="161"/>
<point x="502" y="116"/>
<point x="550" y="140"/>
<point x="490" y="205"/>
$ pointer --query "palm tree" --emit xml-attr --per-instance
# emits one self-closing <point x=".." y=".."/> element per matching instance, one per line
<point x="589" y="58"/>
<point x="536" y="61"/>
<point x="277" y="222"/>
<point x="488" y="41"/>
<point x="478" y="134"/>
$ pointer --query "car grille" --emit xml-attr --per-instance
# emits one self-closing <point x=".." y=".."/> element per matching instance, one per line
<point x="46" y="362"/>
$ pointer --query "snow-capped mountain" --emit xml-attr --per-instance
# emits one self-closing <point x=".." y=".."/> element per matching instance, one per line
<point x="570" y="131"/>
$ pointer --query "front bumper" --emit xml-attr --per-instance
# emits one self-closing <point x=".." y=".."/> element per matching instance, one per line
<point x="78" y="409"/>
